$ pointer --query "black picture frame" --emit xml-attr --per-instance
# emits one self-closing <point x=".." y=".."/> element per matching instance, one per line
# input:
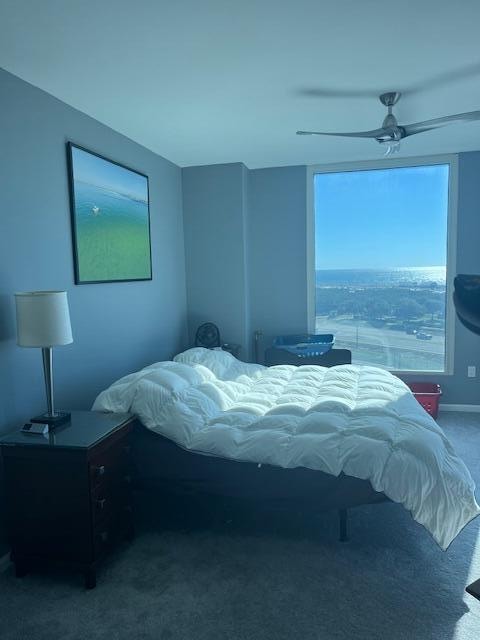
<point x="74" y="204"/>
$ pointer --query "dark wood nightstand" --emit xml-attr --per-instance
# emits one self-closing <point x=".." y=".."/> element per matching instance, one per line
<point x="68" y="492"/>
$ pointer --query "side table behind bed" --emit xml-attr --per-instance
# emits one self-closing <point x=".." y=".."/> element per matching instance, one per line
<point x="332" y="358"/>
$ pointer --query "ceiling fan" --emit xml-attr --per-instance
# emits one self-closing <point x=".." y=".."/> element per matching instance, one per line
<point x="391" y="133"/>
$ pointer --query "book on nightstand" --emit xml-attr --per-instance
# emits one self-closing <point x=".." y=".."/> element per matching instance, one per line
<point x="38" y="428"/>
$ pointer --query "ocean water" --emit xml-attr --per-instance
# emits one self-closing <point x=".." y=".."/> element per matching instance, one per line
<point x="401" y="276"/>
<point x="113" y="236"/>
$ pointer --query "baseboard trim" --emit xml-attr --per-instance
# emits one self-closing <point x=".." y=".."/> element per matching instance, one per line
<point x="4" y="561"/>
<point x="464" y="408"/>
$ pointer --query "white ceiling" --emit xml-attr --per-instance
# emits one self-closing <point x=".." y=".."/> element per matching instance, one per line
<point x="212" y="81"/>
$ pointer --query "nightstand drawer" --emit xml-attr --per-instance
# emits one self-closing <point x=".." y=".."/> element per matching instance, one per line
<point x="116" y="505"/>
<point x="102" y="539"/>
<point x="110" y="466"/>
<point x="109" y="524"/>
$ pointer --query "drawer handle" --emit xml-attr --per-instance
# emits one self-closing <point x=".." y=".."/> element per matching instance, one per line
<point x="103" y="536"/>
<point x="100" y="471"/>
<point x="101" y="503"/>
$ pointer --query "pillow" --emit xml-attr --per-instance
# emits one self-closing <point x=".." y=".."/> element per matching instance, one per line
<point x="221" y="363"/>
<point x="217" y="360"/>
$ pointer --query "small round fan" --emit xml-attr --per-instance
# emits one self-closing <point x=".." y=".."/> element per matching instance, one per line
<point x="207" y="336"/>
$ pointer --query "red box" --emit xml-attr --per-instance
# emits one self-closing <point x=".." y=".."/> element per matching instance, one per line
<point x="428" y="395"/>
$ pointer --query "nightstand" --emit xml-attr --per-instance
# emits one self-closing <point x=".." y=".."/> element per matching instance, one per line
<point x="332" y="358"/>
<point x="68" y="492"/>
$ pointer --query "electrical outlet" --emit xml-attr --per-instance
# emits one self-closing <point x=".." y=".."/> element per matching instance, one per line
<point x="471" y="371"/>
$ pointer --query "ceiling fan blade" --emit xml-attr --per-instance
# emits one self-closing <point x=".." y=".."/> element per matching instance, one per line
<point x="427" y="125"/>
<point x="354" y="134"/>
<point x="328" y="92"/>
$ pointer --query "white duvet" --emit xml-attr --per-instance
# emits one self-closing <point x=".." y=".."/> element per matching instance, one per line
<point x="360" y="420"/>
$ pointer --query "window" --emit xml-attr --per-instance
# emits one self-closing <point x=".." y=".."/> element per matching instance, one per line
<point x="381" y="263"/>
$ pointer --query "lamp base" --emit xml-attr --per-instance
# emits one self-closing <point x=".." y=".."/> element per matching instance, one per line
<point x="60" y="417"/>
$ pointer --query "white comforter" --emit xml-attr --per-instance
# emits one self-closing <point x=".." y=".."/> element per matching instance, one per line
<point x="359" y="420"/>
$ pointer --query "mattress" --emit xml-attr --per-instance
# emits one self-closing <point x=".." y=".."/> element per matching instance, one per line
<point x="360" y="421"/>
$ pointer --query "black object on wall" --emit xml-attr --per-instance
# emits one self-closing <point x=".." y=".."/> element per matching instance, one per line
<point x="466" y="298"/>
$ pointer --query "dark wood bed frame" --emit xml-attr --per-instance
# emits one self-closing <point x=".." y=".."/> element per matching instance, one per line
<point x="161" y="465"/>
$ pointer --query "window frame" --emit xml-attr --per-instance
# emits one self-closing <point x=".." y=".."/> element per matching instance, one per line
<point x="451" y="267"/>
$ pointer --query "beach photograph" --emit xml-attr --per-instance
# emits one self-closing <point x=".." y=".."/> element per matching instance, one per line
<point x="110" y="219"/>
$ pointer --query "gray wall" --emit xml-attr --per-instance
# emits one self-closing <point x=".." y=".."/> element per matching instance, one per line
<point x="274" y="251"/>
<point x="245" y="250"/>
<point x="117" y="328"/>
<point x="277" y="251"/>
<point x="215" y="209"/>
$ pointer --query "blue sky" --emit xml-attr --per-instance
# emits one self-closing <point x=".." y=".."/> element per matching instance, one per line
<point x="96" y="171"/>
<point x="381" y="218"/>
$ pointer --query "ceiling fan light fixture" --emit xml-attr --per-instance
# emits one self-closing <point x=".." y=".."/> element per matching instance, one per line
<point x="392" y="146"/>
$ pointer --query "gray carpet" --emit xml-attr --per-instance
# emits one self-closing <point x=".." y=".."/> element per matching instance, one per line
<point x="234" y="574"/>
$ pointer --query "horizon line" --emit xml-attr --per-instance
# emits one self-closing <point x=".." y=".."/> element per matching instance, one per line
<point x="433" y="266"/>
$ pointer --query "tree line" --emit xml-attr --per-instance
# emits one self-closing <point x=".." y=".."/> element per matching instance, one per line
<point x="381" y="303"/>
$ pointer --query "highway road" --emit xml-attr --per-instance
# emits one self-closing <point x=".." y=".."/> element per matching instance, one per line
<point x="346" y="330"/>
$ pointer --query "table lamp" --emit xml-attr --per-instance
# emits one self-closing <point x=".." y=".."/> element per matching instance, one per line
<point x="43" y="321"/>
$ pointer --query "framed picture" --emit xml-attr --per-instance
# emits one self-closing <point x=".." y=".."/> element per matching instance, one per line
<point x="110" y="219"/>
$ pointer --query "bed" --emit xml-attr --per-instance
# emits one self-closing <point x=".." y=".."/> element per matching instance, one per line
<point x="335" y="437"/>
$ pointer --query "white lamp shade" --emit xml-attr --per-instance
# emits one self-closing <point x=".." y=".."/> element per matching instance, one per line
<point x="43" y="319"/>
